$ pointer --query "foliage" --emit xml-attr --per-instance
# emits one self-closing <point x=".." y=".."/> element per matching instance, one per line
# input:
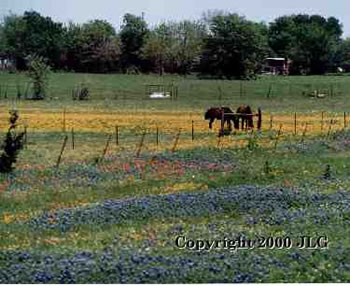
<point x="175" y="47"/>
<point x="2" y="41"/>
<point x="12" y="145"/>
<point x="132" y="35"/>
<point x="33" y="34"/>
<point x="221" y="44"/>
<point x="155" y="50"/>
<point x="308" y="40"/>
<point x="234" y="48"/>
<point x="253" y="142"/>
<point x="92" y="47"/>
<point x="13" y="39"/>
<point x="38" y="72"/>
<point x="342" y="54"/>
<point x="187" y="45"/>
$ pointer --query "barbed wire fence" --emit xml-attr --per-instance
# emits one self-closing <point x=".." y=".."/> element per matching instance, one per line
<point x="159" y="136"/>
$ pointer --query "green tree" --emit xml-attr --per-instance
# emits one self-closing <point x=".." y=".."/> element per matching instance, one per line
<point x="155" y="50"/>
<point x="174" y="46"/>
<point x="2" y="41"/>
<point x="342" y="54"/>
<point x="13" y="39"/>
<point x="73" y="47"/>
<point x="234" y="48"/>
<point x="32" y="34"/>
<point x="43" y="37"/>
<point x="133" y="33"/>
<point x="309" y="41"/>
<point x="92" y="47"/>
<point x="100" y="49"/>
<point x="188" y="44"/>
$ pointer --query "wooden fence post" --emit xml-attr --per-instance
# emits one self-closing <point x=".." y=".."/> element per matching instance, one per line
<point x="62" y="149"/>
<point x="106" y="146"/>
<point x="176" y="141"/>
<point x="330" y="128"/>
<point x="192" y="130"/>
<point x="141" y="143"/>
<point x="269" y="91"/>
<point x="117" y="135"/>
<point x="345" y="123"/>
<point x="25" y="137"/>
<point x="64" y="120"/>
<point x="73" y="145"/>
<point x="259" y="119"/>
<point x="221" y="132"/>
<point x="5" y="92"/>
<point x="271" y="122"/>
<point x="332" y="93"/>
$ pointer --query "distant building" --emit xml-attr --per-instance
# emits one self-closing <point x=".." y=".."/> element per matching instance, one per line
<point x="5" y="63"/>
<point x="276" y="66"/>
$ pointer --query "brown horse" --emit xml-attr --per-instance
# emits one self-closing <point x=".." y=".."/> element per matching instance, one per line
<point x="216" y="113"/>
<point x="246" y="115"/>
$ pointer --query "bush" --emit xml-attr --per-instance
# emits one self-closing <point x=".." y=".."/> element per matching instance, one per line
<point x="12" y="145"/>
<point x="81" y="93"/>
<point x="38" y="72"/>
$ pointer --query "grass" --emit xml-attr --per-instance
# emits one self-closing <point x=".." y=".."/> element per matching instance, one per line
<point x="113" y="92"/>
<point x="116" y="220"/>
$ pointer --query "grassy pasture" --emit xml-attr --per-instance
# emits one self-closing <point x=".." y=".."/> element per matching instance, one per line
<point x="116" y="221"/>
<point x="117" y="92"/>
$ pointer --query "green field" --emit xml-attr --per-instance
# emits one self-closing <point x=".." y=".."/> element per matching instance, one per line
<point x="115" y="90"/>
<point x="115" y="217"/>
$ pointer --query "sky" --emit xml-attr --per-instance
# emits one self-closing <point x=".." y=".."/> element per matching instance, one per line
<point x="156" y="11"/>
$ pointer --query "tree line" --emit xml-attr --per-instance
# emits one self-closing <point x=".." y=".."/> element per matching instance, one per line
<point x="220" y="44"/>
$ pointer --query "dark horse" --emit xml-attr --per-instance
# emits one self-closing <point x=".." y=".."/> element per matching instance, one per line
<point x="246" y="115"/>
<point x="216" y="113"/>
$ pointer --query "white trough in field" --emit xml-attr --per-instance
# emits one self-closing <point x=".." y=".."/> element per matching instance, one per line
<point x="157" y="95"/>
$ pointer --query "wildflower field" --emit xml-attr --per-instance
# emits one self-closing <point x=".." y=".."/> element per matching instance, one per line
<point x="137" y="175"/>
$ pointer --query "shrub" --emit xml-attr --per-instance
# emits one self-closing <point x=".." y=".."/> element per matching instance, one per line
<point x="38" y="72"/>
<point x="328" y="173"/>
<point x="81" y="93"/>
<point x="13" y="143"/>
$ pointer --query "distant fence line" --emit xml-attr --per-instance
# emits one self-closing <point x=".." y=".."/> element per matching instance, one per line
<point x="268" y="88"/>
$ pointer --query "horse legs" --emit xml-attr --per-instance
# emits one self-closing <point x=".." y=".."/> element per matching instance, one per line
<point x="251" y="123"/>
<point x="211" y="123"/>
<point x="229" y="124"/>
<point x="236" y="122"/>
